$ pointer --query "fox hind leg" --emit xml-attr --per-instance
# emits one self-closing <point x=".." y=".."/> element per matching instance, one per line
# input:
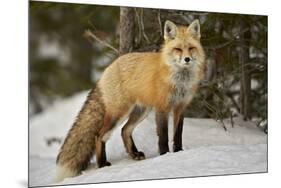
<point x="108" y="124"/>
<point x="136" y="116"/>
<point x="100" y="153"/>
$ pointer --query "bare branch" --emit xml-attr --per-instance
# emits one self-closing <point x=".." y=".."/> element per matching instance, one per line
<point x="89" y="34"/>
<point x="139" y="27"/>
<point x="219" y="46"/>
<point x="218" y="114"/>
<point x="230" y="96"/>
<point x="159" y="21"/>
<point x="233" y="39"/>
<point x="231" y="119"/>
<point x="142" y="28"/>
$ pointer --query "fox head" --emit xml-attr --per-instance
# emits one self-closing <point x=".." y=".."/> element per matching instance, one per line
<point x="182" y="47"/>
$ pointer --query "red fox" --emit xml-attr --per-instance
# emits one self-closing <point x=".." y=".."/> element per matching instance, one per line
<point x="131" y="86"/>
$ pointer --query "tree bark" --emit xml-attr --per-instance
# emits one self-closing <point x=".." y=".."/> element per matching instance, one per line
<point x="126" y="30"/>
<point x="245" y="82"/>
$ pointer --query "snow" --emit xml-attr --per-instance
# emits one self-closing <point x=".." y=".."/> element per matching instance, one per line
<point x="208" y="149"/>
<point x="52" y="49"/>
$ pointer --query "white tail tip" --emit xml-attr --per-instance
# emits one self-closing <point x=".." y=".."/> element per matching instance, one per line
<point x="63" y="172"/>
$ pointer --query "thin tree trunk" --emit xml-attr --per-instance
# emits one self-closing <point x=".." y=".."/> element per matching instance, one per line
<point x="245" y="82"/>
<point x="126" y="30"/>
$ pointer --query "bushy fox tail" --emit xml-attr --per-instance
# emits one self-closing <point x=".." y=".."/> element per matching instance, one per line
<point x="79" y="145"/>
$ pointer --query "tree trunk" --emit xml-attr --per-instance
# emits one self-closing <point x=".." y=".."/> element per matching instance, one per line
<point x="126" y="30"/>
<point x="245" y="82"/>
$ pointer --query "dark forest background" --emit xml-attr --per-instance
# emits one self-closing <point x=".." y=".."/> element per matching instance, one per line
<point x="64" y="60"/>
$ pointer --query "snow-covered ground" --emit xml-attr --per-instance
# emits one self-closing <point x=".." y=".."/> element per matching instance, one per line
<point x="208" y="149"/>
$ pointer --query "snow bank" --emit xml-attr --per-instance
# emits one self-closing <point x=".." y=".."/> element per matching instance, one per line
<point x="204" y="161"/>
<point x="208" y="149"/>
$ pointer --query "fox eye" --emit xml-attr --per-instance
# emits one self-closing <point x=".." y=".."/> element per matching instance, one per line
<point x="178" y="49"/>
<point x="191" y="48"/>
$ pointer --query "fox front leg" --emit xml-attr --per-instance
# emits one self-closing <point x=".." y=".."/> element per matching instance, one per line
<point x="162" y="131"/>
<point x="178" y="127"/>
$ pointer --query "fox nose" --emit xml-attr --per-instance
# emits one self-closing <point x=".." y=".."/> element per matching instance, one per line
<point x="187" y="59"/>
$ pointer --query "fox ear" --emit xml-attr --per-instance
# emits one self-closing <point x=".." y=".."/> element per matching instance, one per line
<point x="194" y="29"/>
<point x="170" y="30"/>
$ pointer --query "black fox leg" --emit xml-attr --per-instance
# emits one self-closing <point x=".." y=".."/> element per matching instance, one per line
<point x="162" y="131"/>
<point x="100" y="153"/>
<point x="135" y="117"/>
<point x="178" y="126"/>
<point x="101" y="139"/>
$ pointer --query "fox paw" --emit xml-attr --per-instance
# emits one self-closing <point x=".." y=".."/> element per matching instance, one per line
<point x="177" y="148"/>
<point x="137" y="155"/>
<point x="107" y="163"/>
<point x="104" y="164"/>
